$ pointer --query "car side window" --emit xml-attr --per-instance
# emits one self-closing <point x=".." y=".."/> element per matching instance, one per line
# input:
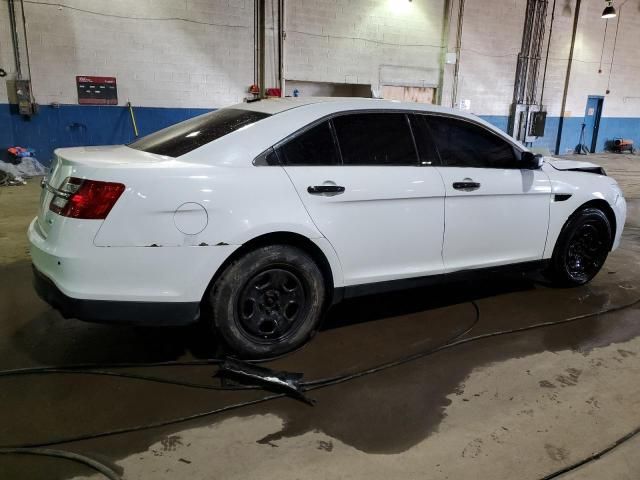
<point x="424" y="142"/>
<point x="312" y="147"/>
<point x="267" y="158"/>
<point x="375" y="139"/>
<point x="463" y="144"/>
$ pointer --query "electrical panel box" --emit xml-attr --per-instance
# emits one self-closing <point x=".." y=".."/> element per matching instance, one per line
<point x="23" y="95"/>
<point x="538" y="122"/>
<point x="527" y="122"/>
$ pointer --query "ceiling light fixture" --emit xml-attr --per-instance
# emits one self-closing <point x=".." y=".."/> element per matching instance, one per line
<point x="609" y="11"/>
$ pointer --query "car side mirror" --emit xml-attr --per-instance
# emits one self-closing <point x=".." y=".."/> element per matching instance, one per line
<point x="531" y="161"/>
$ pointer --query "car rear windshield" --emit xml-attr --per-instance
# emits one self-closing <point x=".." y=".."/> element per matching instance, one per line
<point x="185" y="136"/>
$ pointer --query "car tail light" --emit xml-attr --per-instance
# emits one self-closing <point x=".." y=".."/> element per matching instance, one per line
<point x="87" y="199"/>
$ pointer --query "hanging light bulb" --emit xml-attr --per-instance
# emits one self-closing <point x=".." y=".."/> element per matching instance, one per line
<point x="609" y="11"/>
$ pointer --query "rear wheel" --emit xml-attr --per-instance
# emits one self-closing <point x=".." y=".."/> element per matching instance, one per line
<point x="582" y="248"/>
<point x="269" y="301"/>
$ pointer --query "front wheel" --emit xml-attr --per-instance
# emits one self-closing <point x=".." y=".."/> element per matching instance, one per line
<point x="582" y="248"/>
<point x="269" y="301"/>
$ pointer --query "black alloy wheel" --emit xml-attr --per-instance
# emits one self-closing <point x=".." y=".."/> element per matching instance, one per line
<point x="271" y="304"/>
<point x="587" y="250"/>
<point x="582" y="248"/>
<point x="268" y="301"/>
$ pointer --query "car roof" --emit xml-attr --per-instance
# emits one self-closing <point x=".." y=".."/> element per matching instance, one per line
<point x="289" y="115"/>
<point x="274" y="106"/>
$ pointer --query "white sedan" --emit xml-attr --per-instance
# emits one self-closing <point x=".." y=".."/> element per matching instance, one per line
<point x="255" y="218"/>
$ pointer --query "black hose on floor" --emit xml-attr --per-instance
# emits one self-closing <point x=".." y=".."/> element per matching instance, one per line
<point x="133" y="376"/>
<point x="101" y="369"/>
<point x="312" y="385"/>
<point x="593" y="457"/>
<point x="74" y="457"/>
<point x="461" y="341"/>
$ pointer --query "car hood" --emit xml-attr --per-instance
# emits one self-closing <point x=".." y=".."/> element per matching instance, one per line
<point x="570" y="164"/>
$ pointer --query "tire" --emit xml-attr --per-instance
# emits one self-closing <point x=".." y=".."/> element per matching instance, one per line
<point x="581" y="249"/>
<point x="268" y="302"/>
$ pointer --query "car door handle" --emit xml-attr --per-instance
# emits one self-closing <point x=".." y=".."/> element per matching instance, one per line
<point x="466" y="186"/>
<point x="320" y="189"/>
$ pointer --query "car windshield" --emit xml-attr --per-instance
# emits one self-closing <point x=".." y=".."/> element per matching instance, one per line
<point x="185" y="136"/>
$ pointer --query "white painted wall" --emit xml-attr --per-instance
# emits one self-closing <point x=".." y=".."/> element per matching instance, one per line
<point x="6" y="50"/>
<point x="624" y="99"/>
<point x="173" y="63"/>
<point x="371" y="42"/>
<point x="203" y="61"/>
<point x="206" y="60"/>
<point x="491" y="41"/>
<point x="490" y="44"/>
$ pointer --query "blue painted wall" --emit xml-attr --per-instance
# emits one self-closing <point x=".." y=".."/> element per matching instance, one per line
<point x="75" y="125"/>
<point x="615" y="127"/>
<point x="6" y="130"/>
<point x="610" y="128"/>
<point x="500" y="121"/>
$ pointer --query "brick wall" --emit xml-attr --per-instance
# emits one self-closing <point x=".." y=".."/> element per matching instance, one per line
<point x="491" y="41"/>
<point x="365" y="42"/>
<point x="206" y="59"/>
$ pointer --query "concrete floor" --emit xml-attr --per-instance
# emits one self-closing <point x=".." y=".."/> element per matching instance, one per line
<point x="515" y="406"/>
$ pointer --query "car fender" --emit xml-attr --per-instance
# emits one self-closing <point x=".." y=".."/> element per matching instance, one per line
<point x="570" y="191"/>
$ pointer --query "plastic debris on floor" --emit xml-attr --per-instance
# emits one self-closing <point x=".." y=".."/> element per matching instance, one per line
<point x="22" y="164"/>
<point x="9" y="180"/>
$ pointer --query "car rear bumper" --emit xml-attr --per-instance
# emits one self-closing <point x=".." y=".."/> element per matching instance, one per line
<point x="163" y="275"/>
<point x="109" y="311"/>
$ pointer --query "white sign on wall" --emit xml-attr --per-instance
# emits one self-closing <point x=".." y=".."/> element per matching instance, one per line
<point x="465" y="104"/>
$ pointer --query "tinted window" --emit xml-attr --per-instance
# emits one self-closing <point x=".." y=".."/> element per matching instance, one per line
<point x="312" y="147"/>
<point x="426" y="149"/>
<point x="268" y="158"/>
<point x="375" y="139"/>
<point x="463" y="144"/>
<point x="185" y="136"/>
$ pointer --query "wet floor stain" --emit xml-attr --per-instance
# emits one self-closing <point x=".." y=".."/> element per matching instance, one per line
<point x="387" y="413"/>
<point x="326" y="446"/>
<point x="557" y="454"/>
<point x="569" y="378"/>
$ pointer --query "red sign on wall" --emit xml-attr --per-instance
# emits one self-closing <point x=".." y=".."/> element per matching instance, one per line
<point x="97" y="90"/>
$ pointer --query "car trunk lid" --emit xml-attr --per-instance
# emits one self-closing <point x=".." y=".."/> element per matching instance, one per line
<point x="86" y="163"/>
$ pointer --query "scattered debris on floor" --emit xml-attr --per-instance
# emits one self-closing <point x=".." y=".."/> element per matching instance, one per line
<point x="22" y="164"/>
<point x="287" y="382"/>
<point x="9" y="180"/>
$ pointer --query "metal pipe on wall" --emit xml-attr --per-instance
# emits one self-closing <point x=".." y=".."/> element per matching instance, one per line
<point x="444" y="41"/>
<point x="456" y="74"/>
<point x="282" y="36"/>
<point x="546" y="61"/>
<point x="568" y="75"/>
<point x="261" y="46"/>
<point x="255" y="43"/>
<point x="14" y="38"/>
<point x="525" y="88"/>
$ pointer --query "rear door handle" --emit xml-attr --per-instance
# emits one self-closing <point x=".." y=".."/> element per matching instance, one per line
<point x="320" y="189"/>
<point x="466" y="186"/>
